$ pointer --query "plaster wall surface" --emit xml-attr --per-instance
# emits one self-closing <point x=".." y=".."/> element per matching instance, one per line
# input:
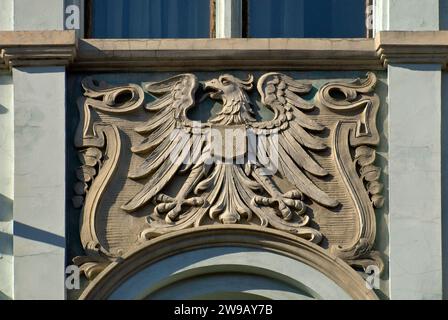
<point x="38" y="15"/>
<point x="413" y="15"/>
<point x="6" y="15"/>
<point x="39" y="182"/>
<point x="415" y="181"/>
<point x="6" y="185"/>
<point x="445" y="181"/>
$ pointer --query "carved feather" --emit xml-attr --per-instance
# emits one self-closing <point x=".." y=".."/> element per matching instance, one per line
<point x="165" y="139"/>
<point x="299" y="155"/>
<point x="155" y="184"/>
<point x="162" y="153"/>
<point x="155" y="138"/>
<point x="281" y="93"/>
<point x="155" y="122"/>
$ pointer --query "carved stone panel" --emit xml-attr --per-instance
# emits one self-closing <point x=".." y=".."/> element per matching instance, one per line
<point x="148" y="169"/>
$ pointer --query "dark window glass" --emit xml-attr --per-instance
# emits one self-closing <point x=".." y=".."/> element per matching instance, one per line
<point x="307" y="19"/>
<point x="150" y="19"/>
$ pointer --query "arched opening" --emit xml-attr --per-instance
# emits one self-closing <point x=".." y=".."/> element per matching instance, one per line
<point x="231" y="285"/>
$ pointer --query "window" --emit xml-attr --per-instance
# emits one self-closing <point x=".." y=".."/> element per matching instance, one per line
<point x="306" y="18"/>
<point x="256" y="18"/>
<point x="149" y="19"/>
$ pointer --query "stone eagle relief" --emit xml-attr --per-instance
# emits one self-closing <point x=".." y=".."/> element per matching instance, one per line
<point x="148" y="169"/>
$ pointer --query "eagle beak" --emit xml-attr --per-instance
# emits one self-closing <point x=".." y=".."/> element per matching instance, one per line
<point x="212" y="85"/>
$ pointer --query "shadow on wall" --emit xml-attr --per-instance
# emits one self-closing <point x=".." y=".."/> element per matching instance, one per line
<point x="31" y="233"/>
<point x="3" y="109"/>
<point x="4" y="296"/>
<point x="22" y="230"/>
<point x="5" y="216"/>
<point x="5" y="244"/>
<point x="5" y="207"/>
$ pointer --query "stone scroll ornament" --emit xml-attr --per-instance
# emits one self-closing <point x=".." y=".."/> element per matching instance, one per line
<point x="147" y="169"/>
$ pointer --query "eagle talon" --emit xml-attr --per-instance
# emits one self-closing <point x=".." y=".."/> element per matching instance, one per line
<point x="287" y="203"/>
<point x="173" y="207"/>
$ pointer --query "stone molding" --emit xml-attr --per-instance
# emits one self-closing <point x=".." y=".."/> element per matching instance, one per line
<point x="235" y="235"/>
<point x="422" y="47"/>
<point x="28" y="48"/>
<point x="37" y="48"/>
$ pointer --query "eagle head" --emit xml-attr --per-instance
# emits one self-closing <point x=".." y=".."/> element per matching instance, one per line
<point x="233" y="93"/>
<point x="227" y="85"/>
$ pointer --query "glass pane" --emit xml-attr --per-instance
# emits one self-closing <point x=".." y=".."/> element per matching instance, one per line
<point x="150" y="19"/>
<point x="307" y="19"/>
<point x="443" y="13"/>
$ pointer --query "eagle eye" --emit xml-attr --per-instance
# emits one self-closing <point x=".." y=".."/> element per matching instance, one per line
<point x="224" y="80"/>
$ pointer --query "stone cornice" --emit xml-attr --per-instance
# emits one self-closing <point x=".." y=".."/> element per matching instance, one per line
<point x="425" y="47"/>
<point x="36" y="48"/>
<point x="213" y="54"/>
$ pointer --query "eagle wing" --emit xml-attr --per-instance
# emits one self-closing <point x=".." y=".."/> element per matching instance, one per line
<point x="168" y="138"/>
<point x="281" y="94"/>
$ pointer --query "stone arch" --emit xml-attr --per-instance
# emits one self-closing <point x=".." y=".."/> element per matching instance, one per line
<point x="240" y="261"/>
